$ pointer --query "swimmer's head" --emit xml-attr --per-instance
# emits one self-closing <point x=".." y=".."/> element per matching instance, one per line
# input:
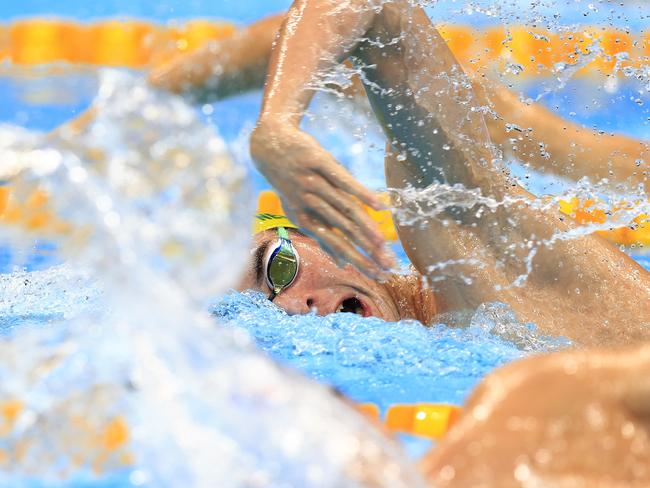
<point x="321" y="286"/>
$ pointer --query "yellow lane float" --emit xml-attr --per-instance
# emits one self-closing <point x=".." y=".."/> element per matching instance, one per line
<point x="139" y="44"/>
<point x="638" y="233"/>
<point x="33" y="214"/>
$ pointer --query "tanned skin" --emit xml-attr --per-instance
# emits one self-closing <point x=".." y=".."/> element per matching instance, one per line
<point x="582" y="287"/>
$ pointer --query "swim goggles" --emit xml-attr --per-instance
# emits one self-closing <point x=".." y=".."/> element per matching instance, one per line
<point x="281" y="263"/>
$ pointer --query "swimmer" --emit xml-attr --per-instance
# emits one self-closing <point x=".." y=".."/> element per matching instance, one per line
<point x="582" y="288"/>
<point x="577" y="418"/>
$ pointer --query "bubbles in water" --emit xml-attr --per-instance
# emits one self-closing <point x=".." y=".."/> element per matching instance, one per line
<point x="387" y="363"/>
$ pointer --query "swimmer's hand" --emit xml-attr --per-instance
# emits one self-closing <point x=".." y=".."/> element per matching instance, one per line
<point x="579" y="417"/>
<point x="321" y="196"/>
<point x="318" y="192"/>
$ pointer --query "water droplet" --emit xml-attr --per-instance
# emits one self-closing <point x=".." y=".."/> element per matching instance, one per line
<point x="514" y="68"/>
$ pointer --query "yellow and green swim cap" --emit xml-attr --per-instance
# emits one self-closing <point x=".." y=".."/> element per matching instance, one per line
<point x="270" y="214"/>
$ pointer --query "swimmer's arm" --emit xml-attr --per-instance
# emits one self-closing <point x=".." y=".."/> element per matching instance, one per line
<point x="224" y="67"/>
<point x="553" y="144"/>
<point x="547" y="142"/>
<point x="235" y="65"/>
<point x="553" y="411"/>
<point x="581" y="287"/>
<point x="317" y="191"/>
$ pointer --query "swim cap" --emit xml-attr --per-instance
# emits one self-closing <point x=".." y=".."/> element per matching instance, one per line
<point x="270" y="214"/>
<point x="266" y="221"/>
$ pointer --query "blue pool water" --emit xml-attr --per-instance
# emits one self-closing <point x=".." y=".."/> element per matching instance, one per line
<point x="385" y="363"/>
<point x="631" y="14"/>
<point x="367" y="359"/>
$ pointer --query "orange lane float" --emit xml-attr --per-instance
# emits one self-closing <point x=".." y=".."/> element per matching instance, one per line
<point x="31" y="213"/>
<point x="131" y="43"/>
<point x="138" y="44"/>
<point x="428" y="420"/>
<point x="103" y="443"/>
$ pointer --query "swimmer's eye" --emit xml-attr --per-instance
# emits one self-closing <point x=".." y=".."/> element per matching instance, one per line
<point x="351" y="305"/>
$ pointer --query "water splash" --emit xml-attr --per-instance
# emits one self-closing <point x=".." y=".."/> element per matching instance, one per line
<point x="417" y="207"/>
<point x="141" y="385"/>
<point x="382" y="362"/>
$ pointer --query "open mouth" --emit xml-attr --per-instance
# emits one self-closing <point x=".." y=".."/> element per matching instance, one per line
<point x="353" y="305"/>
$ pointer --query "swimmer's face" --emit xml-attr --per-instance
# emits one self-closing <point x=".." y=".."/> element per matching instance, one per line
<point x="320" y="286"/>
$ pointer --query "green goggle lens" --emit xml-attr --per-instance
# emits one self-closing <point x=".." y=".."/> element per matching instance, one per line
<point x="282" y="266"/>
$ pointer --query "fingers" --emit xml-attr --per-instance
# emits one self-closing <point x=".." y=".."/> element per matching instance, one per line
<point x="347" y="206"/>
<point x="338" y="177"/>
<point x="362" y="231"/>
<point x="352" y="210"/>
<point x="338" y="246"/>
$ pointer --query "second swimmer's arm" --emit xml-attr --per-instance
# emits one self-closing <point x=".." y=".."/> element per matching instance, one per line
<point x="223" y="67"/>
<point x="550" y="143"/>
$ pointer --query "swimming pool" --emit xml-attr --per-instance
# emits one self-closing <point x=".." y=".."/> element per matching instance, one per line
<point x="128" y="364"/>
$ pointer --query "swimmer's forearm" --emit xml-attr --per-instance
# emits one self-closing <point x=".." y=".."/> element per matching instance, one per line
<point x="425" y="102"/>
<point x="316" y="36"/>
<point x="549" y="143"/>
<point x="224" y="67"/>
